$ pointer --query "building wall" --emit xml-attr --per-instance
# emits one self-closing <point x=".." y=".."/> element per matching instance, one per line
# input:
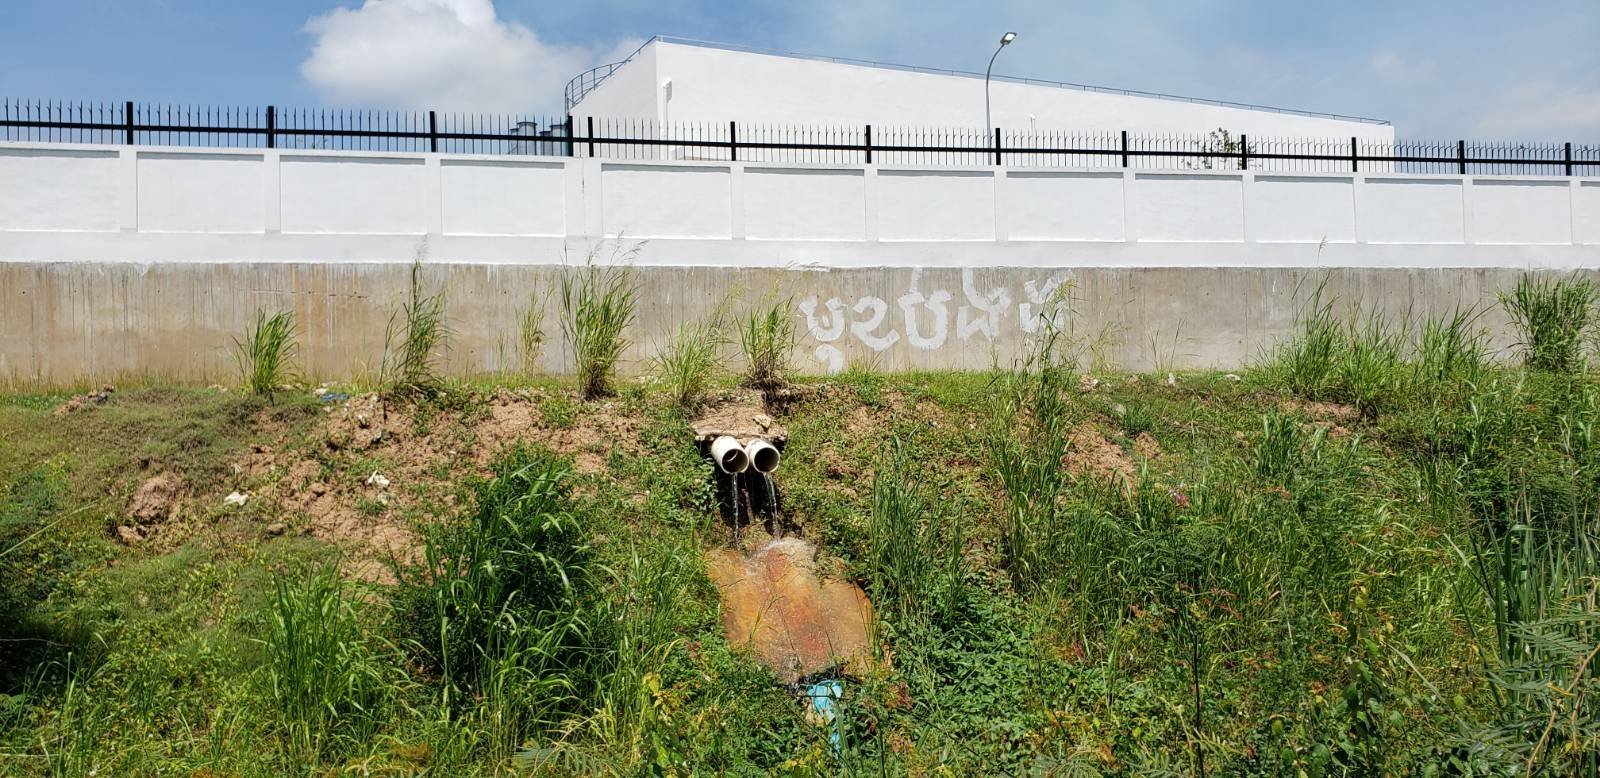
<point x="630" y="92"/>
<point x="719" y="85"/>
<point x="136" y="259"/>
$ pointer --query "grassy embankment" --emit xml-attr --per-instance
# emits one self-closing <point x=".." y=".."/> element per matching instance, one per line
<point x="1373" y="554"/>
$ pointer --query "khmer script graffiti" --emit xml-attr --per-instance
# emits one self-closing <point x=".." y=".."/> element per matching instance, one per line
<point x="922" y="317"/>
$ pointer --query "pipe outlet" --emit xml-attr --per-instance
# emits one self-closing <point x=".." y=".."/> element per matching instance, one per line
<point x="763" y="456"/>
<point x="729" y="455"/>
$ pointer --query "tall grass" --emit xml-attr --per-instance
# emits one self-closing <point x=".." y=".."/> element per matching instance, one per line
<point x="1553" y="317"/>
<point x="414" y="337"/>
<point x="530" y="331"/>
<point x="915" y="566"/>
<point x="327" y="684"/>
<point x="264" y="354"/>
<point x="1028" y="447"/>
<point x="767" y="340"/>
<point x="498" y="608"/>
<point x="598" y="305"/>
<point x="691" y="358"/>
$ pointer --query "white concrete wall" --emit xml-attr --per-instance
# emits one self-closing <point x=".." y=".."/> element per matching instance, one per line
<point x="719" y="85"/>
<point x="138" y="204"/>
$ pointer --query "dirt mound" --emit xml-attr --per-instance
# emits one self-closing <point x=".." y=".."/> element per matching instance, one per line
<point x="1090" y="453"/>
<point x="155" y="500"/>
<point x="596" y="429"/>
<point x="745" y="422"/>
<point x="1338" y="413"/>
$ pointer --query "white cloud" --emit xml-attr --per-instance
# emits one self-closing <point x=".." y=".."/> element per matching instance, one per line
<point x="1541" y="110"/>
<point x="1390" y="66"/>
<point x="452" y="55"/>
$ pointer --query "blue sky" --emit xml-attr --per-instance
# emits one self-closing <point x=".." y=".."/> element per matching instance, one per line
<point x="1483" y="70"/>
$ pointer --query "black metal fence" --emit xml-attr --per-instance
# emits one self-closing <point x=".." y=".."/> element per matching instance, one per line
<point x="633" y="139"/>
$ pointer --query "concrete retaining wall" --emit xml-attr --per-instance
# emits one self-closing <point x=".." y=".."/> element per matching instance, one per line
<point x="68" y="321"/>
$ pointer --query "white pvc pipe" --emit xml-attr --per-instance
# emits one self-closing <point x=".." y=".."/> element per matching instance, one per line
<point x="764" y="456"/>
<point x="729" y="455"/>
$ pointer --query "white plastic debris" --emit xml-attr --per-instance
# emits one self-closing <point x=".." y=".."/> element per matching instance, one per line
<point x="1172" y="380"/>
<point x="1232" y="378"/>
<point x="377" y="479"/>
<point x="236" y="500"/>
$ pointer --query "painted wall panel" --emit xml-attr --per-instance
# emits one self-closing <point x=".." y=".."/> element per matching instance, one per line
<point x="218" y="193"/>
<point x="1411" y="210"/>
<point x="1506" y="211"/>
<point x="353" y="195"/>
<point x="935" y="205"/>
<point x="1041" y="205"/>
<point x="1586" y="213"/>
<point x="1303" y="209"/>
<point x="495" y="197"/>
<point x="666" y="201"/>
<point x="799" y="204"/>
<point x="58" y="189"/>
<point x="1185" y="208"/>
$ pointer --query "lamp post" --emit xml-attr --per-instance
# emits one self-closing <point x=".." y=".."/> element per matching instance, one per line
<point x="1005" y="40"/>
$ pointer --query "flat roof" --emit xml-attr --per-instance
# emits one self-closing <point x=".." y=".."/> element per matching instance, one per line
<point x="1011" y="79"/>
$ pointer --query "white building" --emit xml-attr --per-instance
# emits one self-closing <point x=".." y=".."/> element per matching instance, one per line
<point x="675" y="80"/>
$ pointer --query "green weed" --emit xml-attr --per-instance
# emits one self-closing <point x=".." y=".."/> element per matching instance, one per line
<point x="415" y="335"/>
<point x="1553" y="317"/>
<point x="767" y="340"/>
<point x="263" y="356"/>
<point x="598" y="305"/>
<point x="690" y="360"/>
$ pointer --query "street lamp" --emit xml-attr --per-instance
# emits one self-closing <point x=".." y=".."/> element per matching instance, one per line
<point x="1005" y="40"/>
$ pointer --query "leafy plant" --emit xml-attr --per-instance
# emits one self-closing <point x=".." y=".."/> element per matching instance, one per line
<point x="767" y="339"/>
<point x="420" y="330"/>
<point x="598" y="304"/>
<point x="1552" y="317"/>
<point x="263" y="356"/>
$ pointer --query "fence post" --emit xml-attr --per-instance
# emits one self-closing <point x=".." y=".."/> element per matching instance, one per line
<point x="433" y="131"/>
<point x="997" y="161"/>
<point x="1244" y="152"/>
<point x="127" y="121"/>
<point x="1568" y="157"/>
<point x="869" y="144"/>
<point x="1461" y="156"/>
<point x="733" y="142"/>
<point x="1124" y="148"/>
<point x="1355" y="155"/>
<point x="272" y="127"/>
<point x="590" y="122"/>
<point x="571" y="152"/>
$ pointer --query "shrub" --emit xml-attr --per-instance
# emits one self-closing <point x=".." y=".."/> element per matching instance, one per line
<point x="598" y="305"/>
<point x="1552" y="316"/>
<point x="767" y="338"/>
<point x="326" y="683"/>
<point x="263" y="356"/>
<point x="420" y="329"/>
